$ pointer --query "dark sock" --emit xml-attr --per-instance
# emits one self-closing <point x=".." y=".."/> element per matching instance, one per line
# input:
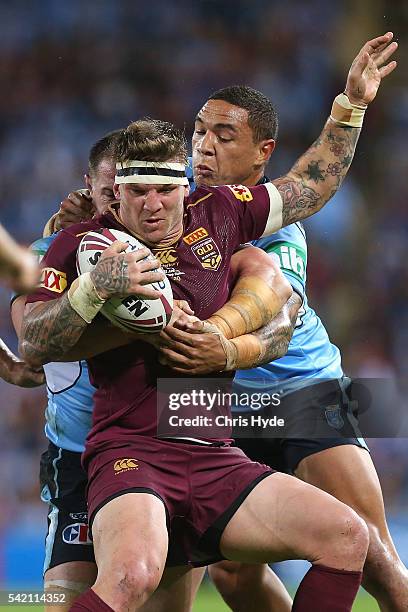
<point x="325" y="589"/>
<point x="90" y="601"/>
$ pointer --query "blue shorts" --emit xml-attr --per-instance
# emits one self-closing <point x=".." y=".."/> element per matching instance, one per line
<point x="326" y="404"/>
<point x="63" y="484"/>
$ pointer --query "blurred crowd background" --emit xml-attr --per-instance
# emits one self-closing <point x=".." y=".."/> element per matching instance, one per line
<point x="71" y="71"/>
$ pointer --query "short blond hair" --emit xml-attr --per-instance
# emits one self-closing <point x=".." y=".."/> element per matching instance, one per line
<point x="151" y="140"/>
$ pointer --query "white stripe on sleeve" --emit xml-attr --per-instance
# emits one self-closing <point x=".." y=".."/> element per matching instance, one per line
<point x="274" y="222"/>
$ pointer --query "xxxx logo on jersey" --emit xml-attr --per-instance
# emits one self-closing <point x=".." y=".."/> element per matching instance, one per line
<point x="53" y="280"/>
<point x="125" y="465"/>
<point x="195" y="236"/>
<point x="241" y="192"/>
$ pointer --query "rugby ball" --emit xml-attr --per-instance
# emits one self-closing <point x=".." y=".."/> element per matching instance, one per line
<point x="130" y="313"/>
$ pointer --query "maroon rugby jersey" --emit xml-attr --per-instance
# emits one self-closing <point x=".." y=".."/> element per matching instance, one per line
<point x="216" y="221"/>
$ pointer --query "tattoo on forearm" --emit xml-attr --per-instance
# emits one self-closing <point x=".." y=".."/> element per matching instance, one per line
<point x="317" y="174"/>
<point x="50" y="330"/>
<point x="111" y="276"/>
<point x="277" y="334"/>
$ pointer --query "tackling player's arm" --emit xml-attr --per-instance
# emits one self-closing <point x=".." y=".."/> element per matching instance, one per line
<point x="16" y="372"/>
<point x="260" y="291"/>
<point x="195" y="354"/>
<point x="18" y="268"/>
<point x="76" y="207"/>
<point x="319" y="172"/>
<point x="202" y="353"/>
<point x="276" y="335"/>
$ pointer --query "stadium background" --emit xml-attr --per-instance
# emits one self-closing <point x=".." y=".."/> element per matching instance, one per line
<point x="71" y="71"/>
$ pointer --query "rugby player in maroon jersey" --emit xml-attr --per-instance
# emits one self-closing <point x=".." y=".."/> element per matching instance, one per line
<point x="133" y="508"/>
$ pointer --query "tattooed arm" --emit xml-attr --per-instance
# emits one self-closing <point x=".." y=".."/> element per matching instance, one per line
<point x="318" y="174"/>
<point x="275" y="336"/>
<point x="48" y="330"/>
<point x="195" y="354"/>
<point x="51" y="329"/>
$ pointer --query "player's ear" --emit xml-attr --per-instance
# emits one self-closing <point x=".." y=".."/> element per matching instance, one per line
<point x="186" y="190"/>
<point x="266" y="148"/>
<point x="88" y="182"/>
<point x="116" y="191"/>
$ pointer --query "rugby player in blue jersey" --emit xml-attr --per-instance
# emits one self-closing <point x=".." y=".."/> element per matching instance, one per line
<point x="234" y="137"/>
<point x="69" y="565"/>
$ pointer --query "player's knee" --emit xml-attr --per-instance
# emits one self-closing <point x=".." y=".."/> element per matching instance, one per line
<point x="349" y="545"/>
<point x="134" y="581"/>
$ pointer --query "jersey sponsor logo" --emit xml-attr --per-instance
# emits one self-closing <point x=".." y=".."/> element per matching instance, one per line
<point x="334" y="417"/>
<point x="166" y="256"/>
<point x="241" y="192"/>
<point x="125" y="465"/>
<point x="53" y="280"/>
<point x="77" y="533"/>
<point x="195" y="236"/>
<point x="207" y="253"/>
<point x="292" y="258"/>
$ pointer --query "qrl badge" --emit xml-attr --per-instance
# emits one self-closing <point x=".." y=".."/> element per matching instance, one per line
<point x="207" y="253"/>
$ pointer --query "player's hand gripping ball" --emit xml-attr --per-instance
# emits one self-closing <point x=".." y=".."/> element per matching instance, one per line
<point x="130" y="312"/>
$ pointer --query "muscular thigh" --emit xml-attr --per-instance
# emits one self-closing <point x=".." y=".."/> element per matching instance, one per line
<point x="130" y="527"/>
<point x="348" y="473"/>
<point x="282" y="518"/>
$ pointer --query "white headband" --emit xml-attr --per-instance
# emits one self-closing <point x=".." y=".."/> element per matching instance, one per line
<point x="151" y="173"/>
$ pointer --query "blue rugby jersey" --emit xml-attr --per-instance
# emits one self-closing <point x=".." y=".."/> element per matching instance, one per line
<point x="311" y="356"/>
<point x="70" y="394"/>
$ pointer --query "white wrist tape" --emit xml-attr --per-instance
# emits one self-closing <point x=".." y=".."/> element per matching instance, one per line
<point x="345" y="113"/>
<point x="84" y="298"/>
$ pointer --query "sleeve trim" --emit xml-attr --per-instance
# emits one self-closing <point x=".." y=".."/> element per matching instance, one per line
<point x="274" y="221"/>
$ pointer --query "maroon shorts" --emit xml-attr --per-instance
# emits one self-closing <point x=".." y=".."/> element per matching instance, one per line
<point x="201" y="488"/>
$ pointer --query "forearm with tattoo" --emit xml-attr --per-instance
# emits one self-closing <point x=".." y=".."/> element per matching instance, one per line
<point x="317" y="175"/>
<point x="277" y="334"/>
<point x="49" y="330"/>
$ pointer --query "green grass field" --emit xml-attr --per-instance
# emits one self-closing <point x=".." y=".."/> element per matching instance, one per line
<point x="208" y="600"/>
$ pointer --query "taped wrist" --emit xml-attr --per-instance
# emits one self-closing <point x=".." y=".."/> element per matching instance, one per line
<point x="251" y="306"/>
<point x="241" y="353"/>
<point x="84" y="298"/>
<point x="345" y="113"/>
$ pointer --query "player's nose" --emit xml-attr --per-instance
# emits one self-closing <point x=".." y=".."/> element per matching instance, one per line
<point x="152" y="201"/>
<point x="206" y="145"/>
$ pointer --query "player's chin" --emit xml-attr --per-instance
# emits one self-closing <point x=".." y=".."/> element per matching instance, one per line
<point x="154" y="236"/>
<point x="208" y="180"/>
